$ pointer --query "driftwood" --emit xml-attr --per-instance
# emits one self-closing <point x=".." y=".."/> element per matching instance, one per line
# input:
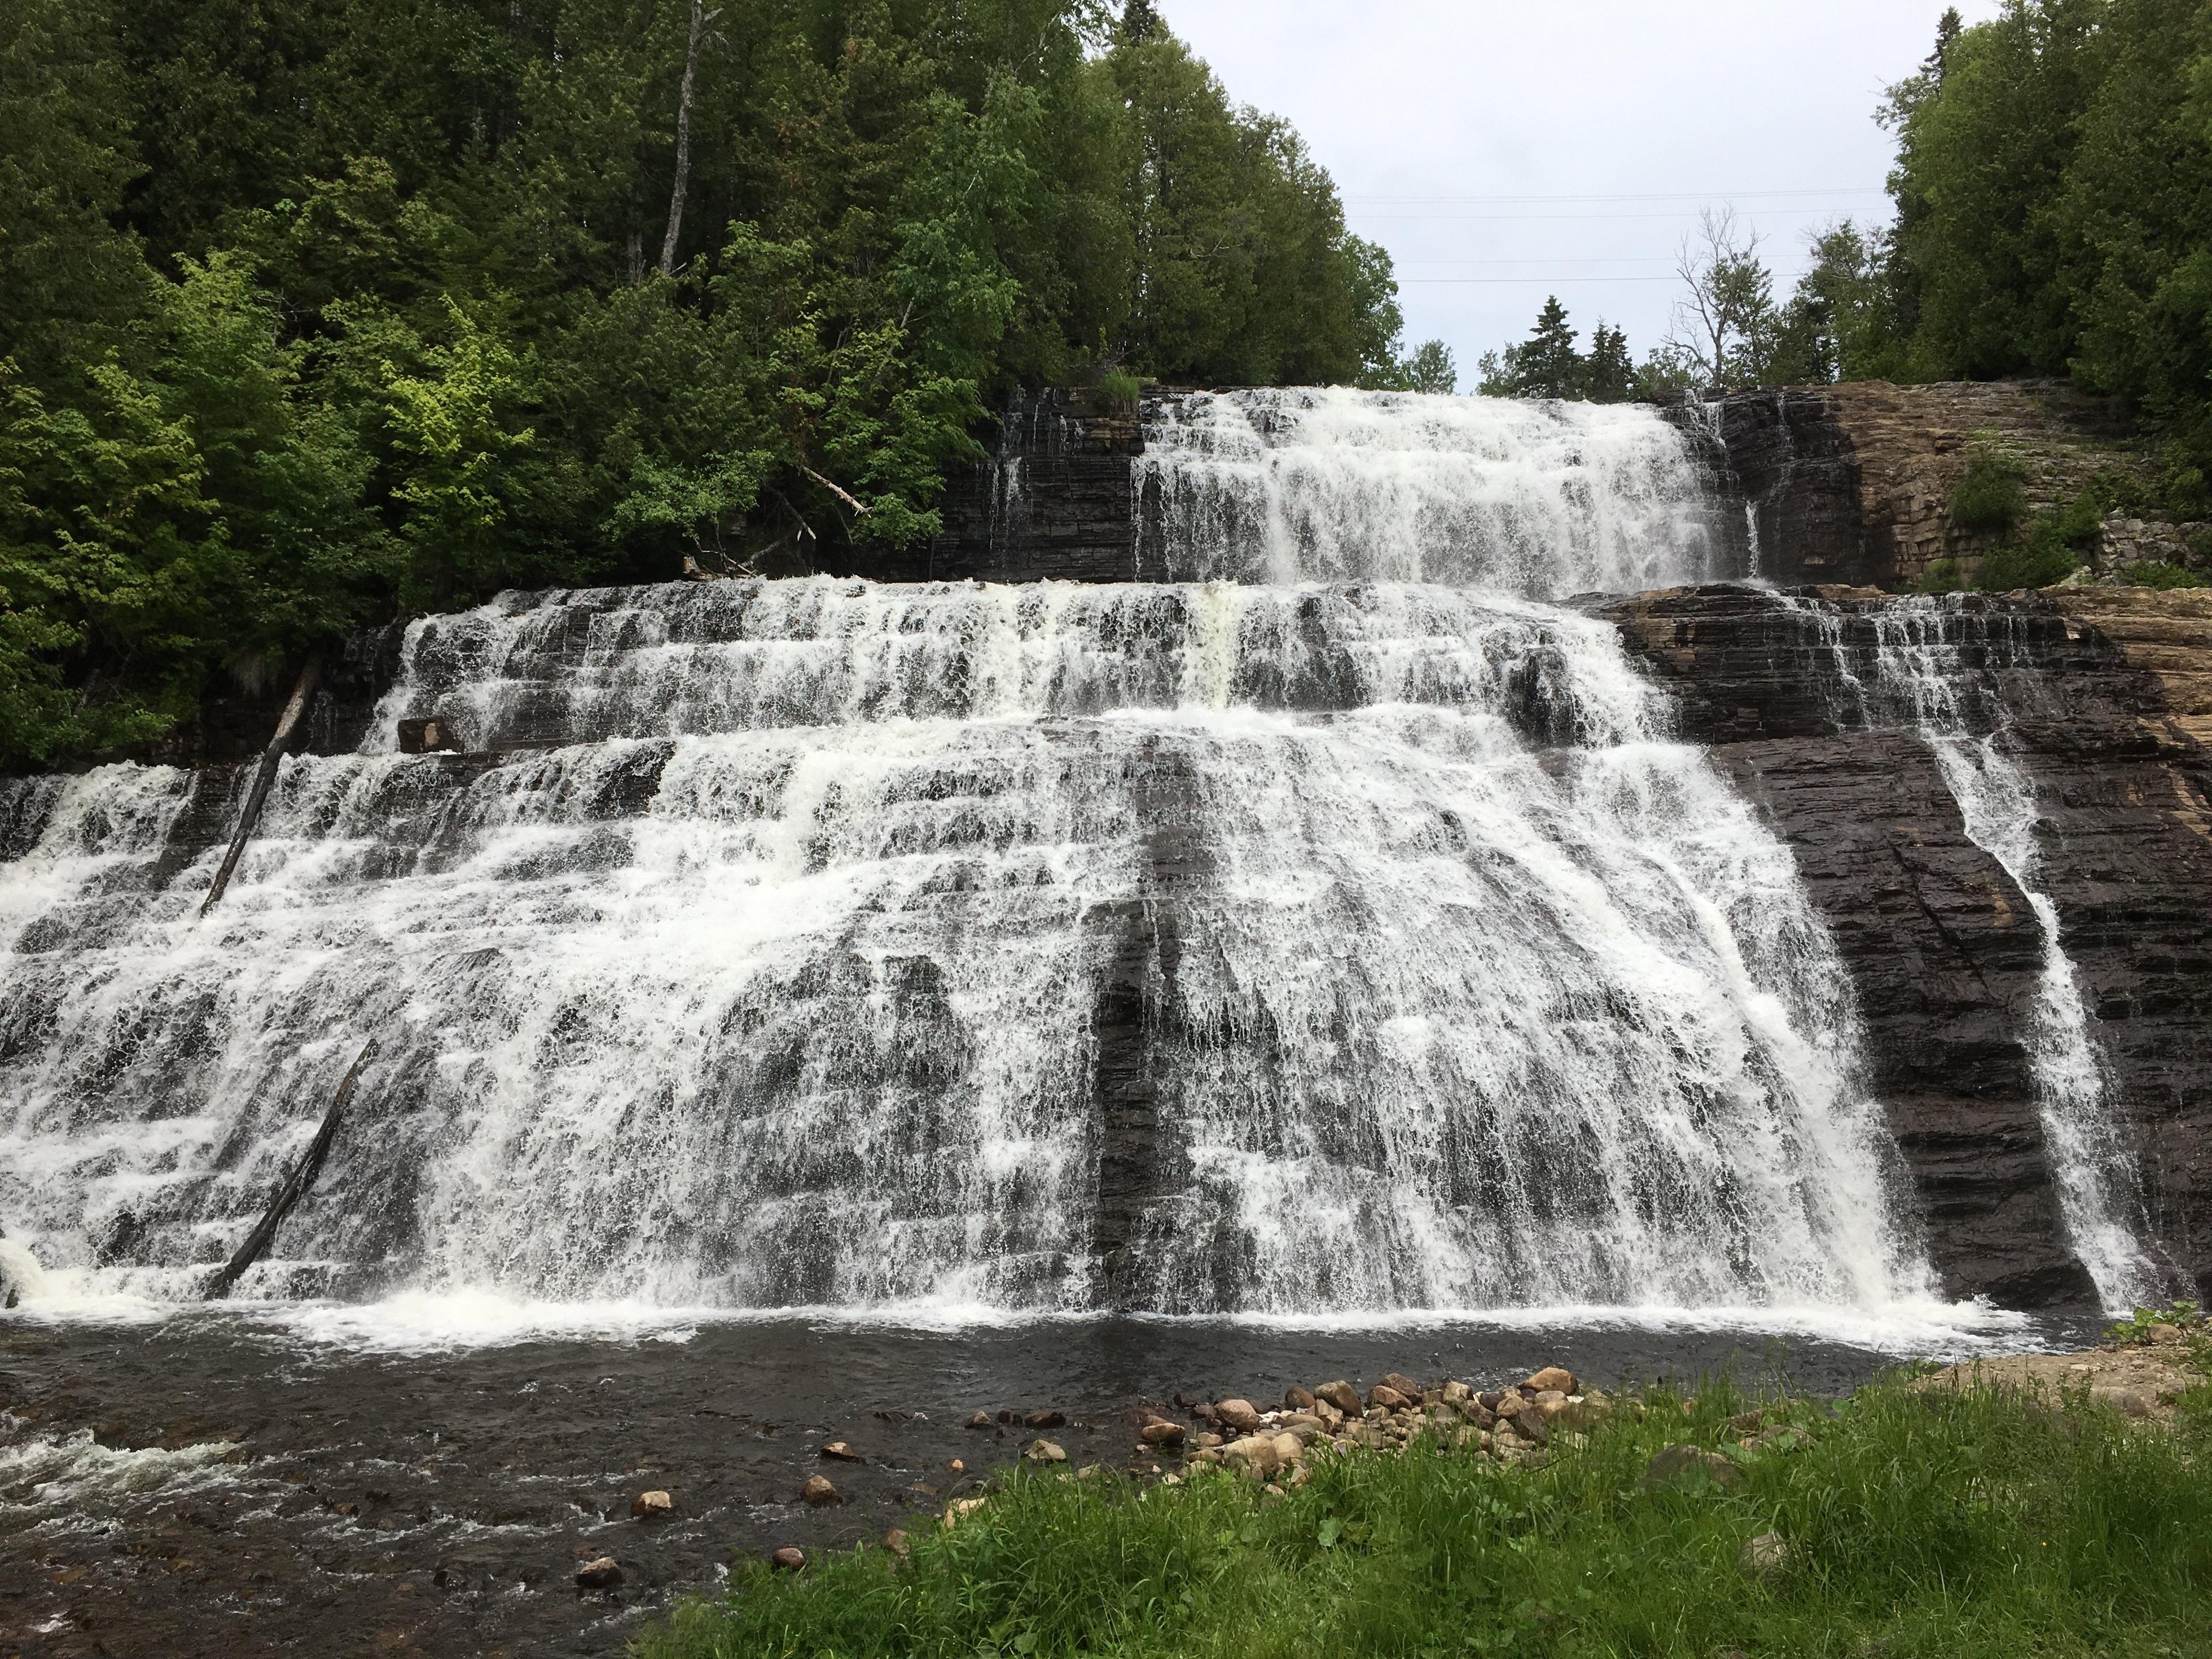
<point x="294" y="1188"/>
<point x="265" y="776"/>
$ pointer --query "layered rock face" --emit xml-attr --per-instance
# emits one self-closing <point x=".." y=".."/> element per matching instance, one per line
<point x="1852" y="484"/>
<point x="2104" y="697"/>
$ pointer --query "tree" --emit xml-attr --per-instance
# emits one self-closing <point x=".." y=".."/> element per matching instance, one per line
<point x="1544" y="365"/>
<point x="1724" y="323"/>
<point x="1608" y="373"/>
<point x="1431" y="368"/>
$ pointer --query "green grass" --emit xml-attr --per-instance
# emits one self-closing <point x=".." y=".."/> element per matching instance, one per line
<point x="1961" y="1525"/>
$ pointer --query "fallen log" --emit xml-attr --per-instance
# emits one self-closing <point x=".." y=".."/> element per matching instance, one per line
<point x="264" y="776"/>
<point x="294" y="1188"/>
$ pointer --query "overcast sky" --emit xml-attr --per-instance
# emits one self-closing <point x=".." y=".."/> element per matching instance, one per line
<point x="1441" y="120"/>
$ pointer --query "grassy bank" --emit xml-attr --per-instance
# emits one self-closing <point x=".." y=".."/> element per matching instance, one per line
<point x="1911" y="1522"/>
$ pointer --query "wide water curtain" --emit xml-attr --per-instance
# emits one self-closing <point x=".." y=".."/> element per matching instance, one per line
<point x="1351" y="937"/>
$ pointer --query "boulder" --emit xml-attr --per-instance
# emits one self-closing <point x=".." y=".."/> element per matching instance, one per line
<point x="897" y="1541"/>
<point x="1206" y="1440"/>
<point x="1389" y="1399"/>
<point x="652" y="1506"/>
<point x="1161" y="1434"/>
<point x="1296" y="1399"/>
<point x="787" y="1559"/>
<point x="1553" y="1376"/>
<point x="1289" y="1450"/>
<point x="817" y="1490"/>
<point x="840" y="1451"/>
<point x="1688" y="1466"/>
<point x="1255" y="1454"/>
<point x="1045" y="1420"/>
<point x="599" y="1574"/>
<point x="1404" y="1384"/>
<point x="1505" y="1405"/>
<point x="1457" y="1394"/>
<point x="980" y="1420"/>
<point x="1044" y="1451"/>
<point x="1342" y="1395"/>
<point x="1237" y="1414"/>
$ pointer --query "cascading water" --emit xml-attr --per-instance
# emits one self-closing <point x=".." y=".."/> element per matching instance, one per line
<point x="1538" y="499"/>
<point x="1194" y="948"/>
<point x="1938" y="667"/>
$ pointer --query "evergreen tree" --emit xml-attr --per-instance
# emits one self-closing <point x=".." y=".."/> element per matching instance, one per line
<point x="1608" y="373"/>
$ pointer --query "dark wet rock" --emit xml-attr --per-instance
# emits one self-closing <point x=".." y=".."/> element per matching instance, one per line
<point x="2106" y="696"/>
<point x="1296" y="1399"/>
<point x="1045" y="1420"/>
<point x="1162" y="1434"/>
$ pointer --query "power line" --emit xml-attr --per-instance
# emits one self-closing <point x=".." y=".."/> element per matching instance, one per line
<point x="1550" y="218"/>
<point x="1538" y="282"/>
<point x="1646" y="196"/>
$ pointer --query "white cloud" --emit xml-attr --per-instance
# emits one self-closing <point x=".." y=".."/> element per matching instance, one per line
<point x="1414" y="103"/>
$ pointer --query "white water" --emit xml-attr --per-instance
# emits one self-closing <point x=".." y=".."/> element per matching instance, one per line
<point x="776" y="964"/>
<point x="1947" y="693"/>
<point x="1539" y="499"/>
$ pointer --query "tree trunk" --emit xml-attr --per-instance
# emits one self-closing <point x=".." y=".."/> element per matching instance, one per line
<point x="294" y="1188"/>
<point x="682" y="140"/>
<point x="264" y="775"/>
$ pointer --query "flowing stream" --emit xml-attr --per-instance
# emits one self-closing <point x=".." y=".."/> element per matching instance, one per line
<point x="1351" y="937"/>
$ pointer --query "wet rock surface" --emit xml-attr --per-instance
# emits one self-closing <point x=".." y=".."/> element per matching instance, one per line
<point x="208" y="1485"/>
<point x="2105" y="697"/>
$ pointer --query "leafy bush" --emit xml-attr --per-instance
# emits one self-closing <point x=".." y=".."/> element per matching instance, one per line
<point x="2157" y="573"/>
<point x="1119" y="393"/>
<point x="1993" y="494"/>
<point x="1944" y="576"/>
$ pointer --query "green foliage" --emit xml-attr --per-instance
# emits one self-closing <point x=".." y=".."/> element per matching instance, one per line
<point x="1941" y="576"/>
<point x="2157" y="573"/>
<point x="1547" y="364"/>
<point x="2054" y="195"/>
<point x="1992" y="496"/>
<point x="1966" y="1522"/>
<point x="1119" y="393"/>
<point x="2143" y="1324"/>
<point x="311" y="310"/>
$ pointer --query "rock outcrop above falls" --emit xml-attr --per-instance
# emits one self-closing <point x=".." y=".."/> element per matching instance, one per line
<point x="2105" y="696"/>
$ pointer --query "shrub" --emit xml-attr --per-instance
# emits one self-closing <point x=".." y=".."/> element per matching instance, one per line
<point x="1944" y="576"/>
<point x="2156" y="573"/>
<point x="1118" y="393"/>
<point x="1993" y="495"/>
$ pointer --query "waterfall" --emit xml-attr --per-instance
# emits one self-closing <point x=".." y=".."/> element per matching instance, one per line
<point x="1191" y="947"/>
<point x="1939" y="666"/>
<point x="1538" y="499"/>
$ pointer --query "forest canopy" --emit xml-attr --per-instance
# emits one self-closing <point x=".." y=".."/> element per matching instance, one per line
<point x="316" y="310"/>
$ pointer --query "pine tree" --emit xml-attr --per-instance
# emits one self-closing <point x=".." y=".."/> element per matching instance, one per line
<point x="1546" y="364"/>
<point x="1141" y="21"/>
<point x="1608" y="373"/>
